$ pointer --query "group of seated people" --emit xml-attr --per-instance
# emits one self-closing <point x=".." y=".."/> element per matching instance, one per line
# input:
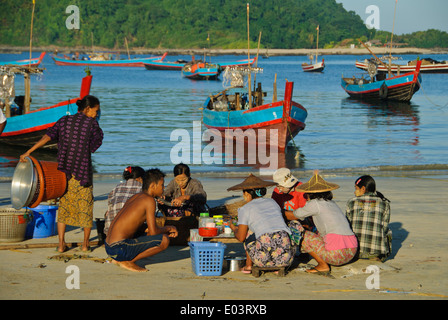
<point x="298" y="217"/>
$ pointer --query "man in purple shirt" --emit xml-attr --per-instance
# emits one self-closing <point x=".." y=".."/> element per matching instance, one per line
<point x="78" y="136"/>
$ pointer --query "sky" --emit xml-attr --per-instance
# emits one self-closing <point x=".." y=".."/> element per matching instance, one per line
<point x="411" y="15"/>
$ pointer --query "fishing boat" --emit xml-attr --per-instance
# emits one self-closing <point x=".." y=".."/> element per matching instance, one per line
<point x="379" y="87"/>
<point x="27" y="128"/>
<point x="103" y="62"/>
<point x="232" y="111"/>
<point x="429" y="65"/>
<point x="165" y="65"/>
<point x="180" y="63"/>
<point x="314" y="65"/>
<point x="33" y="62"/>
<point x="199" y="70"/>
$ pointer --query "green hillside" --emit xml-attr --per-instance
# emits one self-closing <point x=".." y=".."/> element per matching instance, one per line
<point x="285" y="24"/>
<point x="177" y="24"/>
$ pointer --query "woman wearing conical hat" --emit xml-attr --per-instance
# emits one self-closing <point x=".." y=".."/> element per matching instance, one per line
<point x="334" y="243"/>
<point x="269" y="245"/>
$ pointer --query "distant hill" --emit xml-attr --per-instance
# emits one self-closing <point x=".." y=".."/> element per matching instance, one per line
<point x="285" y="24"/>
<point x="174" y="24"/>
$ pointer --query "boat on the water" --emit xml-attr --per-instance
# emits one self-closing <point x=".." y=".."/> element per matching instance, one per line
<point x="380" y="87"/>
<point x="199" y="70"/>
<point x="429" y="65"/>
<point x="28" y="127"/>
<point x="232" y="110"/>
<point x="104" y="62"/>
<point x="33" y="62"/>
<point x="314" y="65"/>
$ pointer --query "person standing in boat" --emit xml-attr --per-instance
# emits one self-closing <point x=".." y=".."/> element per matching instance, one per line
<point x="78" y="136"/>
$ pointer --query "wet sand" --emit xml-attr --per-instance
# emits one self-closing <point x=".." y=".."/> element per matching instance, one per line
<point x="417" y="268"/>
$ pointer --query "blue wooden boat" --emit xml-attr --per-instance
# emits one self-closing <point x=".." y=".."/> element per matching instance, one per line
<point x="34" y="62"/>
<point x="26" y="129"/>
<point x="396" y="88"/>
<point x="199" y="70"/>
<point x="229" y="110"/>
<point x="136" y="62"/>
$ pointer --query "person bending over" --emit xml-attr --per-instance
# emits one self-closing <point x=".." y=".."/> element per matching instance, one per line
<point x="120" y="244"/>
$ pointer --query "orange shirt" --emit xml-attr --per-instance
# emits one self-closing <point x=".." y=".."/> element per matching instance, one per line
<point x="289" y="201"/>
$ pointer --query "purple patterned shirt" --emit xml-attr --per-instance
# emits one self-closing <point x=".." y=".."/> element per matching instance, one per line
<point x="78" y="136"/>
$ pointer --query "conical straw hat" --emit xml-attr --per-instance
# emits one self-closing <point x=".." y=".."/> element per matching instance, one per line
<point x="317" y="184"/>
<point x="252" y="182"/>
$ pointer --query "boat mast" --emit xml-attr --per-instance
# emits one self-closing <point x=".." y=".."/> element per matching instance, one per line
<point x="391" y="41"/>
<point x="248" y="59"/>
<point x="26" y="75"/>
<point x="317" y="43"/>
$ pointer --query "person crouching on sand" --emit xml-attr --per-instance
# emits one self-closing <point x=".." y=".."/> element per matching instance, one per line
<point x="120" y="244"/>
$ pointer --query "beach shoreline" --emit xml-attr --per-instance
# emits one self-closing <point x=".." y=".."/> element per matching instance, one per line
<point x="415" y="270"/>
<point x="218" y="52"/>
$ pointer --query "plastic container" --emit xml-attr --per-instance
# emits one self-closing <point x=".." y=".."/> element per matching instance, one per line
<point x="43" y="224"/>
<point x="208" y="232"/>
<point x="13" y="224"/>
<point x="207" y="258"/>
<point x="202" y="219"/>
<point x="219" y="220"/>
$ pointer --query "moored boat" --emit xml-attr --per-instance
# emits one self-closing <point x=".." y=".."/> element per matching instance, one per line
<point x="199" y="70"/>
<point x="428" y="65"/>
<point x="178" y="64"/>
<point x="27" y="128"/>
<point x="135" y="62"/>
<point x="313" y="67"/>
<point x="33" y="62"/>
<point x="379" y="87"/>
<point x="231" y="111"/>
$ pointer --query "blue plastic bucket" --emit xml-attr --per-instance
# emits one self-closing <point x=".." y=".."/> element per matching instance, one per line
<point x="43" y="224"/>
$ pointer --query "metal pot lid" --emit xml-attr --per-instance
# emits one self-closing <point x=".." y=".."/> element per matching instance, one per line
<point x="24" y="184"/>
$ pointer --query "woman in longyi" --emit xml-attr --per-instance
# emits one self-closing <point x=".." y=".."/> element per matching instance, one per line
<point x="261" y="227"/>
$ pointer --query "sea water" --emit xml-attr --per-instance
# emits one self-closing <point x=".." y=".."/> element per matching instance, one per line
<point x="140" y="110"/>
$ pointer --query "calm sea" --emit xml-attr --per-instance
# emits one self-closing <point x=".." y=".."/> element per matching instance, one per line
<point x="141" y="109"/>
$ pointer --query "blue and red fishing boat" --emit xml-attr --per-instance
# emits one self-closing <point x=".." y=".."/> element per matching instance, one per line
<point x="379" y="87"/>
<point x="199" y="70"/>
<point x="26" y="129"/>
<point x="34" y="62"/>
<point x="103" y="62"/>
<point x="230" y="110"/>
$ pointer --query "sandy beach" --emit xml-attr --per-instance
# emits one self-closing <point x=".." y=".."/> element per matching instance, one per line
<point x="417" y="268"/>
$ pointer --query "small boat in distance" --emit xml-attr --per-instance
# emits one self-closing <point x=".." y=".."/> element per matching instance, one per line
<point x="199" y="70"/>
<point x="103" y="62"/>
<point x="428" y="66"/>
<point x="34" y="62"/>
<point x="314" y="65"/>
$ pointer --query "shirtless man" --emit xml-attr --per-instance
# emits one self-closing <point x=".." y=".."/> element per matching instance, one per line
<point x="120" y="244"/>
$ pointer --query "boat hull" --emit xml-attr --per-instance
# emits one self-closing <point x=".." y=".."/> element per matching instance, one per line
<point x="138" y="62"/>
<point x="398" y="88"/>
<point x="34" y="62"/>
<point x="25" y="130"/>
<point x="161" y="65"/>
<point x="317" y="67"/>
<point x="286" y="116"/>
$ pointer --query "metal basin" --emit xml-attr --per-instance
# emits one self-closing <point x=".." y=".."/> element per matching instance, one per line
<point x="235" y="263"/>
<point x="24" y="184"/>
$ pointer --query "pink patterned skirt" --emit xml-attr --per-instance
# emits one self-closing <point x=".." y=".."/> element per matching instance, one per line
<point x="313" y="242"/>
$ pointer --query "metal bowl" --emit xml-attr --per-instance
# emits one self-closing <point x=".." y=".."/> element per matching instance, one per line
<point x="24" y="184"/>
<point x="235" y="263"/>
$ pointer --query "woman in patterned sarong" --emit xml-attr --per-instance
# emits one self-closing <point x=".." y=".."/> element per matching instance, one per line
<point x="78" y="136"/>
<point x="261" y="227"/>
